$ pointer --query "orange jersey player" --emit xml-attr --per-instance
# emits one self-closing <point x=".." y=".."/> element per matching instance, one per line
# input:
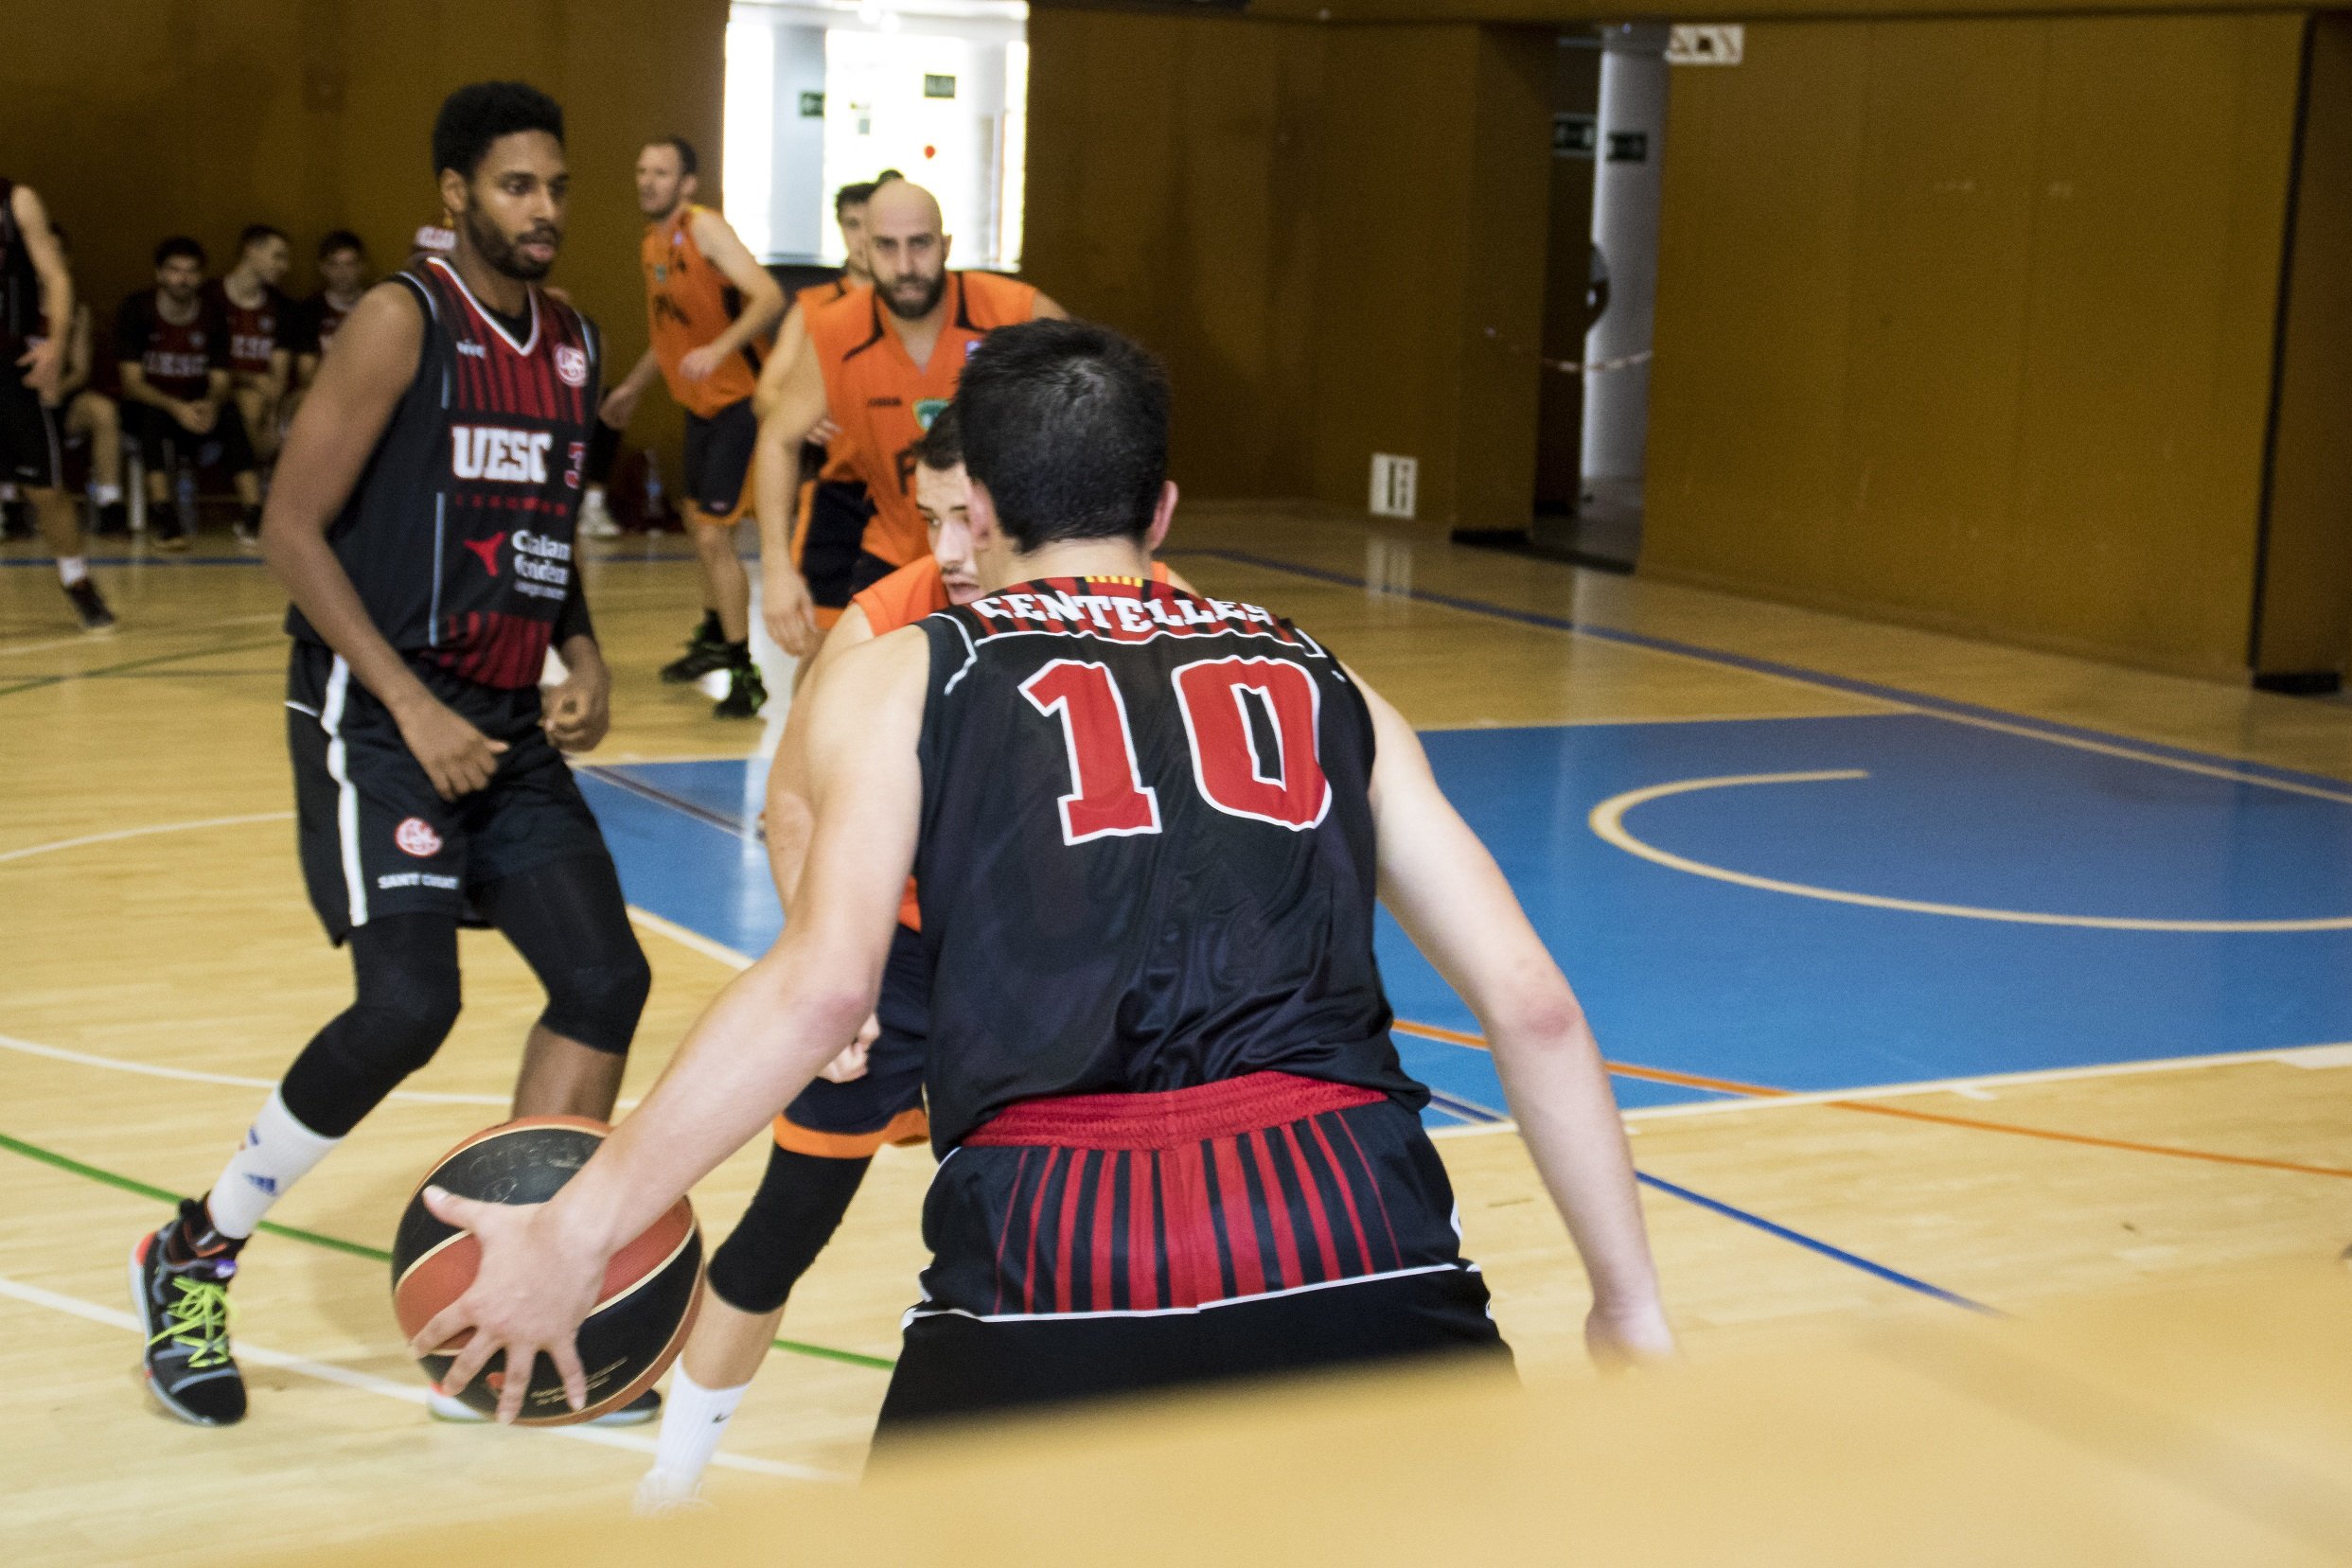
<point x="873" y="1093"/>
<point x="878" y="363"/>
<point x="709" y="308"/>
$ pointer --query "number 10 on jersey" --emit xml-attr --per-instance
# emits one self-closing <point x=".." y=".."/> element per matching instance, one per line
<point x="1230" y="768"/>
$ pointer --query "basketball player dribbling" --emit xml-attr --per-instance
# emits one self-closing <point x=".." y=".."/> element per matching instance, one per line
<point x="870" y="1095"/>
<point x="877" y="363"/>
<point x="422" y="524"/>
<point x="1149" y="829"/>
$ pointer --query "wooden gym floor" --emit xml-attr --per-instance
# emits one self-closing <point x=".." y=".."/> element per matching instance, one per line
<point x="1799" y="867"/>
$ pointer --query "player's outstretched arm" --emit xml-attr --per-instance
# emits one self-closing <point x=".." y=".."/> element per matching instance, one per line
<point x="791" y="813"/>
<point x="1452" y="900"/>
<point x="334" y="436"/>
<point x="758" y="1044"/>
<point x="763" y="302"/>
<point x="790" y="401"/>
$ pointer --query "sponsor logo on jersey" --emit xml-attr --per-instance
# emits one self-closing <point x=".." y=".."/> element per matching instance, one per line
<point x="927" y="410"/>
<point x="509" y="456"/>
<point x="487" y="550"/>
<point x="570" y="364"/>
<point x="415" y="836"/>
<point x="475" y="349"/>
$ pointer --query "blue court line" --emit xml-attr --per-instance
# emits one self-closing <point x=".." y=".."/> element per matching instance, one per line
<point x="1939" y="707"/>
<point x="1893" y="1276"/>
<point x="733" y="827"/>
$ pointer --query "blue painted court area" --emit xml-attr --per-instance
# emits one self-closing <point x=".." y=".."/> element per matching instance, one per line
<point x="1690" y="972"/>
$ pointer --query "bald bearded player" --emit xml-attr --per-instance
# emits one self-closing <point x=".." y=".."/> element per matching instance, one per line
<point x="879" y="362"/>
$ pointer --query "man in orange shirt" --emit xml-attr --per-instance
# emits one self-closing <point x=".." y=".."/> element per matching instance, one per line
<point x="710" y="305"/>
<point x="879" y="363"/>
<point x="870" y="1095"/>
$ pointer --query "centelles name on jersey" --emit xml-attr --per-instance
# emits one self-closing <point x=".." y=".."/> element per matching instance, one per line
<point x="493" y="452"/>
<point x="1123" y="617"/>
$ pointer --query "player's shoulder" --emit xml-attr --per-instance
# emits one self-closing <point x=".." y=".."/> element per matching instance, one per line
<point x="903" y="597"/>
<point x="1001" y="300"/>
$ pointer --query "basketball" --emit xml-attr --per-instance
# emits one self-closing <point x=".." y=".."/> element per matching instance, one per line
<point x="651" y="1288"/>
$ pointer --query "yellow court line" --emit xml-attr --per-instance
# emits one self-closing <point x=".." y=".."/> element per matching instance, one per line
<point x="1608" y="821"/>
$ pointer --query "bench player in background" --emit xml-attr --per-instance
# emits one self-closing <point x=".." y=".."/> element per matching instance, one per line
<point x="710" y="306"/>
<point x="261" y="360"/>
<point x="421" y="523"/>
<point x="877" y="363"/>
<point x="1148" y="829"/>
<point x="171" y="346"/>
<point x="342" y="278"/>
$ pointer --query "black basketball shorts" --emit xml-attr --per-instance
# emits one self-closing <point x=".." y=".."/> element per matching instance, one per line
<point x="375" y="838"/>
<point x="718" y="458"/>
<point x="1107" y="1244"/>
<point x="833" y="556"/>
<point x="851" y="1121"/>
<point x="30" y="453"/>
<point x="163" y="440"/>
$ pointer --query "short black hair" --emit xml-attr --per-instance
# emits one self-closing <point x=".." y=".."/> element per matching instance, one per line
<point x="477" y="114"/>
<point x="255" y="233"/>
<point x="340" y="239"/>
<point x="689" y="162"/>
<point x="1066" y="425"/>
<point x="942" y="446"/>
<point x="855" y="194"/>
<point x="179" y="245"/>
<point x="886" y="177"/>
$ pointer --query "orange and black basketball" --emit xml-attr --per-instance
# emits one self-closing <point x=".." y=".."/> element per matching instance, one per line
<point x="651" y="1288"/>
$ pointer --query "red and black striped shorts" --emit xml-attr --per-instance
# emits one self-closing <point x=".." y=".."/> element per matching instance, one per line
<point x="1108" y="1243"/>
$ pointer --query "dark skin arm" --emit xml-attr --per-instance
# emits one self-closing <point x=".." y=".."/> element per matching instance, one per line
<point x="341" y="421"/>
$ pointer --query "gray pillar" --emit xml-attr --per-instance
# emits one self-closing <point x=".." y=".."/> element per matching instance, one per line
<point x="1625" y="226"/>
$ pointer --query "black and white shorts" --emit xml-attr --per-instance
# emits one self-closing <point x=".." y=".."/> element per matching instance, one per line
<point x="376" y="841"/>
<point x="31" y="454"/>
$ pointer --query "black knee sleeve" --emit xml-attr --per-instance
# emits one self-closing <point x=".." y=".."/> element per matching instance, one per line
<point x="570" y="924"/>
<point x="799" y="1204"/>
<point x="408" y="999"/>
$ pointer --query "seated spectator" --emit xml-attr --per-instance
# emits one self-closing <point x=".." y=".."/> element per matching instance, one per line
<point x="261" y="327"/>
<point x="342" y="278"/>
<point x="171" y="345"/>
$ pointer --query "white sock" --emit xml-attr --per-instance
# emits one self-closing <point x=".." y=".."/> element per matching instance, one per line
<point x="72" y="569"/>
<point x="107" y="494"/>
<point x="694" y="1418"/>
<point x="277" y="1151"/>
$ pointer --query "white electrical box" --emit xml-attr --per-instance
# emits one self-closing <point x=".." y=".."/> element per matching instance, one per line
<point x="1704" y="44"/>
<point x="1393" y="481"/>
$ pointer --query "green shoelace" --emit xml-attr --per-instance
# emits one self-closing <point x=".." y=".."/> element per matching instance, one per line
<point x="198" y="1322"/>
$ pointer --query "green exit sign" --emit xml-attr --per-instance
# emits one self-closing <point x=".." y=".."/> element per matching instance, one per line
<point x="812" y="106"/>
<point x="939" y="87"/>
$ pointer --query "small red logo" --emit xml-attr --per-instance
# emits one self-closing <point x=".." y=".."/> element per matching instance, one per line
<point x="487" y="550"/>
<point x="570" y="364"/>
<point x="415" y="836"/>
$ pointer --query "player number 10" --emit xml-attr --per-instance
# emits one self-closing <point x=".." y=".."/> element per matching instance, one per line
<point x="1109" y="798"/>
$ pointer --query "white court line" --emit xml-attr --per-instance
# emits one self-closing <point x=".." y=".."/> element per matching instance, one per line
<point x="120" y="834"/>
<point x="84" y="640"/>
<point x="368" y="1382"/>
<point x="190" y="1075"/>
<point x="2306" y="1057"/>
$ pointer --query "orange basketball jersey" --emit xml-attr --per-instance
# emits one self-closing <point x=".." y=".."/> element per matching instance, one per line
<point x="883" y="403"/>
<point x="688" y="303"/>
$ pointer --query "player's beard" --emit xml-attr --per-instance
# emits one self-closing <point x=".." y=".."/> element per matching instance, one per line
<point x="502" y="254"/>
<point x="922" y="304"/>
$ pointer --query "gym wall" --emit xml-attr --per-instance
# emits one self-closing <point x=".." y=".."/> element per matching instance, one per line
<point x="147" y="117"/>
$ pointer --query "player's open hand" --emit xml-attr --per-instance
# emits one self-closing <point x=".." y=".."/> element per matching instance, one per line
<point x="43" y="363"/>
<point x="697" y="364"/>
<point x="620" y="406"/>
<point x="580" y="710"/>
<point x="458" y="758"/>
<point x="850" y="1065"/>
<point x="528" y="1298"/>
<point x="1623" y="1337"/>
<point x="784" y="606"/>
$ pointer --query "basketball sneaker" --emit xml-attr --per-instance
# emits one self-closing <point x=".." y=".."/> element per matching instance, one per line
<point x="180" y="1286"/>
<point x="90" y="607"/>
<point x="745" y="693"/>
<point x="595" y="519"/>
<point x="645" y="1407"/>
<point x="706" y="652"/>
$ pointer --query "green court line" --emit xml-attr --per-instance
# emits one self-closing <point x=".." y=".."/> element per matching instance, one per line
<point x="36" y="682"/>
<point x="336" y="1244"/>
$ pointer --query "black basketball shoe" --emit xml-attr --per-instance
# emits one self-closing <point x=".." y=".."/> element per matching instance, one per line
<point x="90" y="607"/>
<point x="706" y="650"/>
<point x="180" y="1288"/>
<point x="745" y="693"/>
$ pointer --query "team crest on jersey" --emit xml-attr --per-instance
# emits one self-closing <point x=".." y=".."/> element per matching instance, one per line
<point x="415" y="836"/>
<point x="927" y="410"/>
<point x="971" y="348"/>
<point x="570" y="364"/>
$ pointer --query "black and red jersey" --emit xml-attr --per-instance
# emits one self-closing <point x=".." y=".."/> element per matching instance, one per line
<point x="255" y="332"/>
<point x="178" y="357"/>
<point x="1146" y="859"/>
<point x="458" y="535"/>
<point x="21" y="316"/>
